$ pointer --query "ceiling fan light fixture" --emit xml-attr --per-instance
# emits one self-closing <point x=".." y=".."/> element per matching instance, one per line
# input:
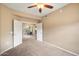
<point x="40" y="5"/>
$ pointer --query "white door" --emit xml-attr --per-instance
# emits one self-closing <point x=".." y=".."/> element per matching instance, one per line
<point x="39" y="32"/>
<point x="17" y="33"/>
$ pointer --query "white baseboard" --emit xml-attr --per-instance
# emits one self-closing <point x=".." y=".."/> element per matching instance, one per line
<point x="5" y="50"/>
<point x="61" y="48"/>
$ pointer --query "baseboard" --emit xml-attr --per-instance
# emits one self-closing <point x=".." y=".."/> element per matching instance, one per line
<point x="61" y="48"/>
<point x="5" y="50"/>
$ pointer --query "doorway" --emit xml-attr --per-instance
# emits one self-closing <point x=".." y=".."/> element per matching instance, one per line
<point x="28" y="31"/>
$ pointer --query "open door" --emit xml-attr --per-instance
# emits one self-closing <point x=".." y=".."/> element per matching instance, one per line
<point x="39" y="32"/>
<point x="17" y="28"/>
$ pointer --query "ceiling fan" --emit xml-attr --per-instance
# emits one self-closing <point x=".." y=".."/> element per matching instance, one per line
<point x="40" y="6"/>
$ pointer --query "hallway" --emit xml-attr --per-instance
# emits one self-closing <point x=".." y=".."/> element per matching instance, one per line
<point x="31" y="47"/>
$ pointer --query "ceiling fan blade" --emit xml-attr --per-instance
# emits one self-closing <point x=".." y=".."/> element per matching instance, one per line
<point x="32" y="6"/>
<point x="40" y="10"/>
<point x="48" y="6"/>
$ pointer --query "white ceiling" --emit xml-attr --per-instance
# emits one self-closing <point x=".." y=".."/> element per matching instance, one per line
<point x="22" y="7"/>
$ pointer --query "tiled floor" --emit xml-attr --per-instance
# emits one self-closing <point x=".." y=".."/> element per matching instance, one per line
<point x="31" y="47"/>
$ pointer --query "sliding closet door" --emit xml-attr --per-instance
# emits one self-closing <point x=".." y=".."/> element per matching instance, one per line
<point x="17" y="33"/>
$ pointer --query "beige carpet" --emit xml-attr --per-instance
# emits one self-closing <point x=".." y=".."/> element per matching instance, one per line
<point x="31" y="47"/>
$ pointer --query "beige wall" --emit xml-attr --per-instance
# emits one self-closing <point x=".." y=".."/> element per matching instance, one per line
<point x="7" y="15"/>
<point x="0" y="29"/>
<point x="6" y="28"/>
<point x="62" y="27"/>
